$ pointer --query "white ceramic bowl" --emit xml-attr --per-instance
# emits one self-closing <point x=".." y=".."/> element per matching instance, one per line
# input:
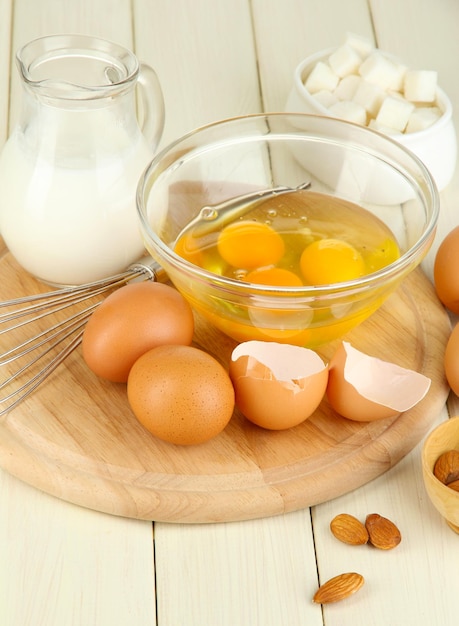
<point x="436" y="146"/>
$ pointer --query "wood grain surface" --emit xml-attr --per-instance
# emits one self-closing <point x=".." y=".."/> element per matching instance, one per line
<point x="76" y="437"/>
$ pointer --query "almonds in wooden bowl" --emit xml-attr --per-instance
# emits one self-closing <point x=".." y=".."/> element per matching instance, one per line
<point x="436" y="450"/>
<point x="446" y="467"/>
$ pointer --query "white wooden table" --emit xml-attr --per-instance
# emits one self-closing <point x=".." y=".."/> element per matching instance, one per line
<point x="62" y="565"/>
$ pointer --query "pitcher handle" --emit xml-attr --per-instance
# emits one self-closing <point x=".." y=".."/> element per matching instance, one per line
<point x="152" y="104"/>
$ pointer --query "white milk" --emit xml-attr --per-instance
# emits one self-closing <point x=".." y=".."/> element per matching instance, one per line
<point x="69" y="225"/>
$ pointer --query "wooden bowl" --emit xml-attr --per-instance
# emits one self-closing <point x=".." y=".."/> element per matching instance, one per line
<point x="446" y="500"/>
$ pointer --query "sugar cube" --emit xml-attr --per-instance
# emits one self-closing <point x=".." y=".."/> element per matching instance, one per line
<point x="347" y="87"/>
<point x="361" y="45"/>
<point x="321" y="77"/>
<point x="349" y="111"/>
<point x="379" y="70"/>
<point x="395" y="112"/>
<point x="374" y="125"/>
<point x="420" y="85"/>
<point x="369" y="96"/>
<point x="344" y="60"/>
<point x="399" y="79"/>
<point x="325" y="97"/>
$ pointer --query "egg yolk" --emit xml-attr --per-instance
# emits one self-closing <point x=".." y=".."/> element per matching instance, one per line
<point x="188" y="248"/>
<point x="248" y="245"/>
<point x="328" y="261"/>
<point x="275" y="276"/>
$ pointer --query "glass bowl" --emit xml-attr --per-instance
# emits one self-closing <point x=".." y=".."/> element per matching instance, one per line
<point x="209" y="167"/>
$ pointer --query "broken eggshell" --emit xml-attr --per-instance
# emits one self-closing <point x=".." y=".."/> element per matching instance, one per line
<point x="277" y="386"/>
<point x="364" y="388"/>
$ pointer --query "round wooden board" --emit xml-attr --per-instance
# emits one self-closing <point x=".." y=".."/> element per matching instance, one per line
<point x="76" y="438"/>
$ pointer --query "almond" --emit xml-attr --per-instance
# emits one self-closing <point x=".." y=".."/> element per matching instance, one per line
<point x="349" y="529"/>
<point x="383" y="533"/>
<point x="338" y="588"/>
<point x="454" y="485"/>
<point x="446" y="467"/>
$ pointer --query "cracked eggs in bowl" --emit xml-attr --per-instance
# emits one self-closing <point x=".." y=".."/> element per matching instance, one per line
<point x="261" y="247"/>
<point x="361" y="84"/>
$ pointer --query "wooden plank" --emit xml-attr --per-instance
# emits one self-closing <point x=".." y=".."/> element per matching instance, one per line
<point x="287" y="32"/>
<point x="208" y="73"/>
<point x="106" y="18"/>
<point x="5" y="51"/>
<point x="242" y="573"/>
<point x="61" y="564"/>
<point x="255" y="572"/>
<point x="409" y="580"/>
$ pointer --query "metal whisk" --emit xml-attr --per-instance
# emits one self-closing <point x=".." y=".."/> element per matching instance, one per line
<point x="32" y="360"/>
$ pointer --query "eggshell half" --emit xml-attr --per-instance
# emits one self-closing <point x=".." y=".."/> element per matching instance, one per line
<point x="277" y="386"/>
<point x="364" y="388"/>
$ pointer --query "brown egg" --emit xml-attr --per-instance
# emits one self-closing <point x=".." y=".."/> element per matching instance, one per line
<point x="451" y="360"/>
<point x="364" y="388"/>
<point x="446" y="271"/>
<point x="131" y="321"/>
<point x="180" y="394"/>
<point x="277" y="386"/>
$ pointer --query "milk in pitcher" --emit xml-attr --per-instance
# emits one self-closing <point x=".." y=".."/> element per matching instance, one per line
<point x="70" y="169"/>
<point x="71" y="225"/>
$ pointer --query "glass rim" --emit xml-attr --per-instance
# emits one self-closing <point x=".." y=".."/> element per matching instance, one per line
<point x="45" y="48"/>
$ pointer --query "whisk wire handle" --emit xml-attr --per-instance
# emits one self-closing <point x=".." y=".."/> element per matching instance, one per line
<point x="65" y="335"/>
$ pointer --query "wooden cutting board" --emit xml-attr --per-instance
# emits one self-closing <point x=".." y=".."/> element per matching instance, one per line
<point x="76" y="438"/>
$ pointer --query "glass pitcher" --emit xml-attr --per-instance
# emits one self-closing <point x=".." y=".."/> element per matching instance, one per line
<point x="69" y="170"/>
